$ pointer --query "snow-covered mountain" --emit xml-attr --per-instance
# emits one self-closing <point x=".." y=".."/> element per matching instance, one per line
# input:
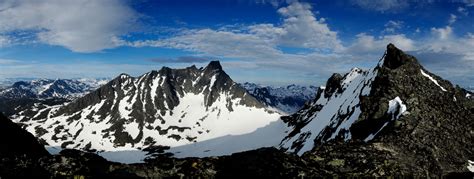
<point x="169" y="107"/>
<point x="288" y="99"/>
<point x="48" y="88"/>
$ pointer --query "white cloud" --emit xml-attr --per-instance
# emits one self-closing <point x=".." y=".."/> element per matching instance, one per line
<point x="392" y="26"/>
<point x="300" y="28"/>
<point x="368" y="44"/>
<point x="80" y="25"/>
<point x="275" y="3"/>
<point x="15" y="69"/>
<point x="463" y="11"/>
<point x="468" y="3"/>
<point x="260" y="45"/>
<point x="216" y="43"/>
<point x="452" y="19"/>
<point x="382" y="6"/>
<point x="256" y="47"/>
<point x="444" y="41"/>
<point x="4" y="41"/>
<point x="442" y="33"/>
<point x="8" y="61"/>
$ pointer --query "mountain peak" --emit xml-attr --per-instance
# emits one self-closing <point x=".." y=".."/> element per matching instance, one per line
<point x="192" y="67"/>
<point x="214" y="65"/>
<point x="333" y="84"/>
<point x="124" y="75"/>
<point x="395" y="57"/>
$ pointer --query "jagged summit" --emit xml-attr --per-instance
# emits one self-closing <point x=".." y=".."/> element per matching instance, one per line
<point x="214" y="65"/>
<point x="395" y="57"/>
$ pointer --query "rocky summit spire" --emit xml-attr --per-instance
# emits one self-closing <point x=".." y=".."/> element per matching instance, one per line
<point x="214" y="65"/>
<point x="396" y="57"/>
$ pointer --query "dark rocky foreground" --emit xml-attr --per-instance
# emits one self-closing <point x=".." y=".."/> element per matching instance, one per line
<point x="342" y="160"/>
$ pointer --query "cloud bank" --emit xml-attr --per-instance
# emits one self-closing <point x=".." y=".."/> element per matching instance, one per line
<point x="79" y="25"/>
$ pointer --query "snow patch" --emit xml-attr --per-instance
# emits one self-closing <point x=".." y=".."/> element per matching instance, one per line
<point x="213" y="81"/>
<point x="396" y="108"/>
<point x="132" y="129"/>
<point x="432" y="79"/>
<point x="470" y="165"/>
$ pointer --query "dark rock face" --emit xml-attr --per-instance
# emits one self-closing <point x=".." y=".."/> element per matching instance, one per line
<point x="333" y="84"/>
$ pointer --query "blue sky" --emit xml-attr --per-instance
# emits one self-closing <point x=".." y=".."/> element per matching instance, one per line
<point x="274" y="42"/>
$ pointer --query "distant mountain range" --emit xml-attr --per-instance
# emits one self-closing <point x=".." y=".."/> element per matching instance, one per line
<point x="41" y="93"/>
<point x="6" y="82"/>
<point x="47" y="88"/>
<point x="288" y="99"/>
